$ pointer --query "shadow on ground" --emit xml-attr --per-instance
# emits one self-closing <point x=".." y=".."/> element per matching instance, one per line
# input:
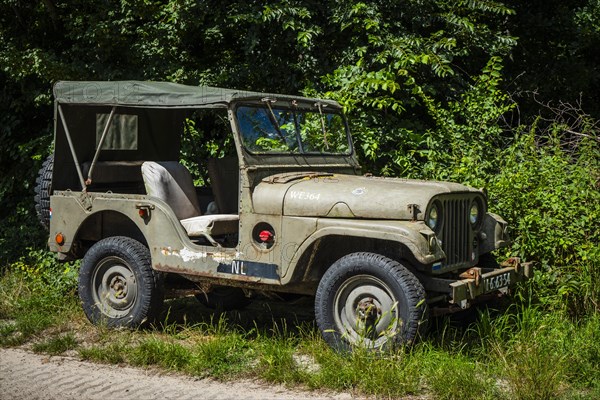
<point x="264" y="313"/>
<point x="261" y="314"/>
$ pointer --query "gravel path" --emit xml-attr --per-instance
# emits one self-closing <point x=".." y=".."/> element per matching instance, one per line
<point x="28" y="376"/>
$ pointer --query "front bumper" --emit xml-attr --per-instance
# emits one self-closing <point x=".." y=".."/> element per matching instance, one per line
<point x="479" y="281"/>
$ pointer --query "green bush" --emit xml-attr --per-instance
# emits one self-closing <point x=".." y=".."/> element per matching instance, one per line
<point x="42" y="271"/>
<point x="547" y="189"/>
<point x="42" y="293"/>
<point x="463" y="145"/>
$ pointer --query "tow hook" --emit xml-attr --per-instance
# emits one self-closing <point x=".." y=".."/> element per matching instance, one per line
<point x="472" y="273"/>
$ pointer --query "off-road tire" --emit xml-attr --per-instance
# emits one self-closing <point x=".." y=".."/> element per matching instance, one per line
<point x="117" y="285"/>
<point x="224" y="298"/>
<point x="382" y="281"/>
<point x="43" y="190"/>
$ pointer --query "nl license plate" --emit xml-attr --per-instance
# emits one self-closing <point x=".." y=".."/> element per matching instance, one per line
<point x="496" y="282"/>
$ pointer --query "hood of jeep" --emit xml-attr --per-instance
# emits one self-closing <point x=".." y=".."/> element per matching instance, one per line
<point x="314" y="194"/>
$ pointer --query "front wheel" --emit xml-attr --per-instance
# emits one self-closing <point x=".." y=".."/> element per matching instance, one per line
<point x="368" y="300"/>
<point x="117" y="285"/>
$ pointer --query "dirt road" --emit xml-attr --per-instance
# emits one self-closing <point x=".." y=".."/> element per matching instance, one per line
<point x="28" y="376"/>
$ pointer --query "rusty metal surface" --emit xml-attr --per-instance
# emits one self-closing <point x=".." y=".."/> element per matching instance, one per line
<point x="475" y="283"/>
<point x="472" y="273"/>
<point x="292" y="176"/>
<point x="450" y="308"/>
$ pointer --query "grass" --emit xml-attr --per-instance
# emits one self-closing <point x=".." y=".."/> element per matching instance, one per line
<point x="31" y="309"/>
<point x="56" y="345"/>
<point x="524" y="352"/>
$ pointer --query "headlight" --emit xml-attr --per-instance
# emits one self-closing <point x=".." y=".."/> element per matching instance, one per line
<point x="475" y="212"/>
<point x="433" y="217"/>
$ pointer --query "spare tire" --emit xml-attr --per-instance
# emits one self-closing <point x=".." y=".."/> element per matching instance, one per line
<point x="43" y="190"/>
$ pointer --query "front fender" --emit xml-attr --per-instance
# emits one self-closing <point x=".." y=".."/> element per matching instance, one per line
<point x="418" y="238"/>
<point x="494" y="233"/>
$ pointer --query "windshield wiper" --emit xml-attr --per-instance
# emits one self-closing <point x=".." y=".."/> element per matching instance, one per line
<point x="272" y="118"/>
<point x="320" y="106"/>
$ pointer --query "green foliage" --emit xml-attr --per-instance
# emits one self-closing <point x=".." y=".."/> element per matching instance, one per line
<point x="203" y="138"/>
<point x="24" y="327"/>
<point x="464" y="143"/>
<point x="152" y="351"/>
<point x="216" y="350"/>
<point x="112" y="353"/>
<point x="541" y="354"/>
<point x="21" y="230"/>
<point x="41" y="271"/>
<point x="223" y="356"/>
<point x="532" y="358"/>
<point x="366" y="372"/>
<point x="405" y="65"/>
<point x="456" y="376"/>
<point x="547" y="188"/>
<point x="277" y="363"/>
<point x="42" y="293"/>
<point x="556" y="56"/>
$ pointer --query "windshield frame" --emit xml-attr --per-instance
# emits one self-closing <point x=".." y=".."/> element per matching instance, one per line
<point x="294" y="106"/>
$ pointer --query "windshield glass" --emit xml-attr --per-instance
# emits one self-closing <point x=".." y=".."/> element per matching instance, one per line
<point x="271" y="129"/>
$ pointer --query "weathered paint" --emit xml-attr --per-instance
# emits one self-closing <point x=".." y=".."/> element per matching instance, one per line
<point x="365" y="197"/>
<point x="304" y="198"/>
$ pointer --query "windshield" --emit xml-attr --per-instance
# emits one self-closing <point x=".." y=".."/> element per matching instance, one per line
<point x="271" y="129"/>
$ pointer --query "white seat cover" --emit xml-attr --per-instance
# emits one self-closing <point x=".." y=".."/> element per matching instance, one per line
<point x="172" y="183"/>
<point x="216" y="224"/>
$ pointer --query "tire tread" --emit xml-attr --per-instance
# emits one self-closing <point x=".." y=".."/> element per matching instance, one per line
<point x="43" y="190"/>
<point x="126" y="248"/>
<point x="354" y="263"/>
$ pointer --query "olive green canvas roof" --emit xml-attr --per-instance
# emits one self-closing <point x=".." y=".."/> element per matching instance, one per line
<point x="157" y="94"/>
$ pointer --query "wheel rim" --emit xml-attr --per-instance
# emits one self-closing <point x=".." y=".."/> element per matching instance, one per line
<point x="114" y="287"/>
<point x="366" y="311"/>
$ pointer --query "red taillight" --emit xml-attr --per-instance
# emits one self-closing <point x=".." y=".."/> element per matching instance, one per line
<point x="143" y="212"/>
<point x="266" y="236"/>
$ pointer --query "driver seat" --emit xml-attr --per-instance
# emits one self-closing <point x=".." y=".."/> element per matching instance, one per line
<point x="172" y="183"/>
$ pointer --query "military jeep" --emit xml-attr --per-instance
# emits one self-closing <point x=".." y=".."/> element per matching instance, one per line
<point x="286" y="210"/>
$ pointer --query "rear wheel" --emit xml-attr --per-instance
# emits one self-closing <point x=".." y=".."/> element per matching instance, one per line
<point x="43" y="190"/>
<point x="117" y="284"/>
<point x="367" y="300"/>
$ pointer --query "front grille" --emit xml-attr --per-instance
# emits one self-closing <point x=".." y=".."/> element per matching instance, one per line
<point x="455" y="232"/>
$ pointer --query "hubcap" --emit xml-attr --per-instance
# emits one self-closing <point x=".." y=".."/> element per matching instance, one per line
<point x="366" y="311"/>
<point x="114" y="287"/>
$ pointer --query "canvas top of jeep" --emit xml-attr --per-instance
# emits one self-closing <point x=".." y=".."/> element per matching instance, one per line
<point x="287" y="210"/>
